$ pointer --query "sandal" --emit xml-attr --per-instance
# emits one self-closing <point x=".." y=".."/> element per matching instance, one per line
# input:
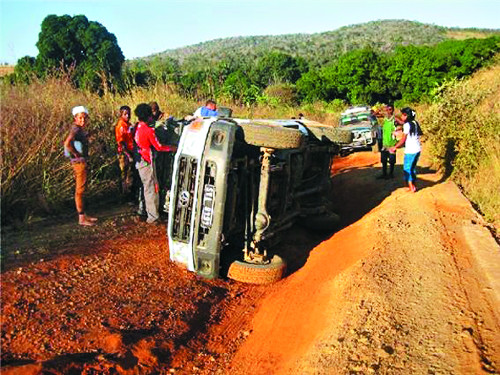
<point x="86" y="223"/>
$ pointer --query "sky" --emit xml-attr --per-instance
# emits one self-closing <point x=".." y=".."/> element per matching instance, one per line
<point x="150" y="26"/>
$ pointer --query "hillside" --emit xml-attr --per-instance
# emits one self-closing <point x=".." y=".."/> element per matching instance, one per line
<point x="319" y="48"/>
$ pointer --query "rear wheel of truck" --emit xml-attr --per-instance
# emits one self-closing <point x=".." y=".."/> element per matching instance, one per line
<point x="272" y="136"/>
<point x="257" y="273"/>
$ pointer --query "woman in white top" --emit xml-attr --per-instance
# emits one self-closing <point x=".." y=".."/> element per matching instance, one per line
<point x="411" y="141"/>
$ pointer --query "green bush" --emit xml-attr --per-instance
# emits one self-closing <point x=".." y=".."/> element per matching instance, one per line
<point x="281" y="94"/>
<point x="463" y="130"/>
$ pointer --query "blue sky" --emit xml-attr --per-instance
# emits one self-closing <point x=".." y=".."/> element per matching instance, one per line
<point x="150" y="26"/>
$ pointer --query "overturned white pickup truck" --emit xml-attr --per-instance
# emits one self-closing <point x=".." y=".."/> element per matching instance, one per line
<point x="238" y="184"/>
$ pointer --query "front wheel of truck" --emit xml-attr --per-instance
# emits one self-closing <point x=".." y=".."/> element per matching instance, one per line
<point x="257" y="273"/>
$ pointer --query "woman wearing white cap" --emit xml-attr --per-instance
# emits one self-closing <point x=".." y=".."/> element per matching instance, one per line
<point x="77" y="146"/>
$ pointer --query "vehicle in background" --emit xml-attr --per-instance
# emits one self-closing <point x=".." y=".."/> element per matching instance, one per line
<point x="363" y="125"/>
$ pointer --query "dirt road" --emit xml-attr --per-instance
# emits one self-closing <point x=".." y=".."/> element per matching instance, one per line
<point x="410" y="284"/>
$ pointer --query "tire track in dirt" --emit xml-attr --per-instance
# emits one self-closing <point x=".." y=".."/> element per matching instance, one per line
<point x="457" y="219"/>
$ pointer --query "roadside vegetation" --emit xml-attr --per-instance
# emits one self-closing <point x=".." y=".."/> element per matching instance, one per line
<point x="463" y="134"/>
<point x="38" y="96"/>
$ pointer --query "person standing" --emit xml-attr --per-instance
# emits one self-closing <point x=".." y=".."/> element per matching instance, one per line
<point x="163" y="160"/>
<point x="146" y="140"/>
<point x="411" y="140"/>
<point x="125" y="148"/>
<point x="76" y="146"/>
<point x="388" y="140"/>
<point x="158" y="115"/>
<point x="137" y="188"/>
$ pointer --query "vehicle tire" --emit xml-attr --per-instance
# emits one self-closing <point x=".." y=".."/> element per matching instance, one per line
<point x="331" y="134"/>
<point x="326" y="222"/>
<point x="257" y="273"/>
<point x="272" y="136"/>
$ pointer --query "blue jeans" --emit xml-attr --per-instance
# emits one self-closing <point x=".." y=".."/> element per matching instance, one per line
<point x="409" y="165"/>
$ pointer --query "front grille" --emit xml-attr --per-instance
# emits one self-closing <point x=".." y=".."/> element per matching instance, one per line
<point x="362" y="137"/>
<point x="184" y="198"/>
<point x="208" y="180"/>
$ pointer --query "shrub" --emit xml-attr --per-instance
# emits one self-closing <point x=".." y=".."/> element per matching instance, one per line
<point x="281" y="94"/>
<point x="464" y="136"/>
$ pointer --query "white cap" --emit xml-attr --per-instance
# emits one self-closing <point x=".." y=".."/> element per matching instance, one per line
<point x="79" y="109"/>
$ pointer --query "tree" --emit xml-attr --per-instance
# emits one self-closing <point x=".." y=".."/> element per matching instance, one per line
<point x="24" y="69"/>
<point x="86" y="46"/>
<point x="238" y="87"/>
<point x="360" y="76"/>
<point x="165" y="69"/>
<point x="278" y="67"/>
<point x="310" y="87"/>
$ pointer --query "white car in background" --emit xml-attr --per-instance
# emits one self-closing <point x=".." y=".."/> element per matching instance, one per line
<point x="363" y="125"/>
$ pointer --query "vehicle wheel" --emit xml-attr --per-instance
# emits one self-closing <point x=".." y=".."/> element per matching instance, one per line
<point x="334" y="135"/>
<point x="272" y="136"/>
<point x="257" y="273"/>
<point x="326" y="222"/>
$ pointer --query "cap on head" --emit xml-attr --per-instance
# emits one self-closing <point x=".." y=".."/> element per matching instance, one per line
<point x="79" y="109"/>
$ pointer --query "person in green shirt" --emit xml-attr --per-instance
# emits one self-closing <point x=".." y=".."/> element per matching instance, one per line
<point x="389" y="126"/>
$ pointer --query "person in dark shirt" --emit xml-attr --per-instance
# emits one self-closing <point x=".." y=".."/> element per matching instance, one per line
<point x="146" y="141"/>
<point x="77" y="146"/>
<point x="163" y="159"/>
<point x="158" y="115"/>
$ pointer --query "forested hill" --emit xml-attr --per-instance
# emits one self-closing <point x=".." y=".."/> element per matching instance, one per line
<point x="321" y="48"/>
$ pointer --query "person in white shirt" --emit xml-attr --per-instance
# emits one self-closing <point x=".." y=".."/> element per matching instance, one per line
<point x="411" y="141"/>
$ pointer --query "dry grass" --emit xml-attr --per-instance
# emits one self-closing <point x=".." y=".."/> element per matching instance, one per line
<point x="468" y="34"/>
<point x="35" y="119"/>
<point x="6" y="69"/>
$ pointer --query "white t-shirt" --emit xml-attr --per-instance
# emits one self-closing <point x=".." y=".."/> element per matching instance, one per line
<point x="412" y="144"/>
<point x="197" y="113"/>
